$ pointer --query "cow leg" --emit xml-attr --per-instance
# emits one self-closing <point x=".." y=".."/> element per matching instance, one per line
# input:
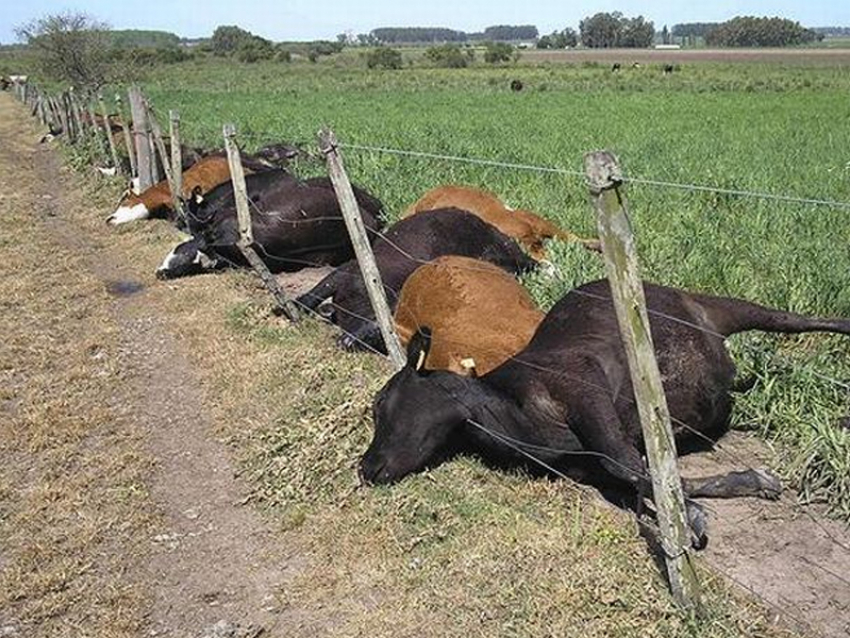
<point x="600" y="429"/>
<point x="321" y="291"/>
<point x="756" y="483"/>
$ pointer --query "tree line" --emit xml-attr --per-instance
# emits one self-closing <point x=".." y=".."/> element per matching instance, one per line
<point x="419" y="35"/>
<point x="749" y="31"/>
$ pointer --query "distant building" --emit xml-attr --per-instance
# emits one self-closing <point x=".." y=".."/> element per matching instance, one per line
<point x="668" y="47"/>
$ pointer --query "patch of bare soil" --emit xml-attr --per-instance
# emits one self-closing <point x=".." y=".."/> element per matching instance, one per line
<point x="781" y="551"/>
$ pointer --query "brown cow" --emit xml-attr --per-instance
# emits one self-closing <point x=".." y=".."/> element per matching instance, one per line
<point x="479" y="315"/>
<point x="207" y="173"/>
<point x="529" y="229"/>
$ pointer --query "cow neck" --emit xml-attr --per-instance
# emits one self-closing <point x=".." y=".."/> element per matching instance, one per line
<point x="156" y="197"/>
<point x="490" y="415"/>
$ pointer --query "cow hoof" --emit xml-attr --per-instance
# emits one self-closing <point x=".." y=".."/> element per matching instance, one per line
<point x="769" y="484"/>
<point x="698" y="524"/>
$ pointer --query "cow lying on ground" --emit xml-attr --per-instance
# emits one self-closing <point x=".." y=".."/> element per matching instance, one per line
<point x="529" y="229"/>
<point x="567" y="398"/>
<point x="295" y="224"/>
<point x="156" y="201"/>
<point x="479" y="315"/>
<point x="398" y="252"/>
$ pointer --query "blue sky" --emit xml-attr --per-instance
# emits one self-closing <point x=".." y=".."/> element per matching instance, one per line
<point x="323" y="19"/>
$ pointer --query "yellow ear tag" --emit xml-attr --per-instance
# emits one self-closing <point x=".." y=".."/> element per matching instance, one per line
<point x="421" y="361"/>
<point x="469" y="363"/>
<point x="199" y="198"/>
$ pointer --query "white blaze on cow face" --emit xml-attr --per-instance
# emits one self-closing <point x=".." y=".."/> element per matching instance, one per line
<point x="126" y="214"/>
<point x="136" y="185"/>
<point x="185" y="259"/>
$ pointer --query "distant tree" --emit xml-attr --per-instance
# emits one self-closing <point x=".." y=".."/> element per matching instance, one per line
<point x="384" y="58"/>
<point x="665" y="35"/>
<point x="544" y="42"/>
<point x="70" y="47"/>
<point x="636" y="33"/>
<point x="496" y="52"/>
<point x="366" y="40"/>
<point x="749" y="31"/>
<point x="605" y="30"/>
<point x="601" y="30"/>
<point x="282" y="54"/>
<point x="505" y="32"/>
<point x="449" y="56"/>
<point x="227" y="39"/>
<point x="130" y="38"/>
<point x="255" y="49"/>
<point x="409" y="35"/>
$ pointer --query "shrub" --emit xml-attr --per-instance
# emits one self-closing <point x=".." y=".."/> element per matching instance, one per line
<point x="449" y="56"/>
<point x="498" y="52"/>
<point x="384" y="57"/>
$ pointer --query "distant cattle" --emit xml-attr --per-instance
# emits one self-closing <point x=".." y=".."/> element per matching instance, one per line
<point x="615" y="67"/>
<point x="295" y="224"/>
<point x="529" y="229"/>
<point x="478" y="313"/>
<point x="567" y="398"/>
<point x="668" y="68"/>
<point x="398" y="252"/>
<point x="516" y="85"/>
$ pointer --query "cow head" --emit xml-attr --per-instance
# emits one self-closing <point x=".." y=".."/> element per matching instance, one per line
<point x="130" y="207"/>
<point x="418" y="422"/>
<point x="188" y="258"/>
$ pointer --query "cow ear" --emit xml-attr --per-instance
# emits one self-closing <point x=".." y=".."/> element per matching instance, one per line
<point x="197" y="194"/>
<point x="417" y="349"/>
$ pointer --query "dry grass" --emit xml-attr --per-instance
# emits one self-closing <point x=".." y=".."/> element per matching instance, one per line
<point x="73" y="506"/>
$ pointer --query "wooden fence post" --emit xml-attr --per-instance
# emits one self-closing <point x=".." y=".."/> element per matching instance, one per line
<point x="96" y="130"/>
<point x="108" y="126"/>
<point x="362" y="248"/>
<point x="141" y="136"/>
<point x="604" y="179"/>
<point x="246" y="234"/>
<point x="176" y="150"/>
<point x="166" y="164"/>
<point x="75" y="114"/>
<point x="128" y="138"/>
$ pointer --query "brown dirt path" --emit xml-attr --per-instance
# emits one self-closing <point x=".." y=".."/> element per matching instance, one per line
<point x="195" y="555"/>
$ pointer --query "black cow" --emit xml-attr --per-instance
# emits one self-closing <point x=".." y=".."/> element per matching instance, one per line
<point x="615" y="67"/>
<point x="668" y="68"/>
<point x="295" y="224"/>
<point x="516" y="85"/>
<point x="398" y="252"/>
<point x="567" y="399"/>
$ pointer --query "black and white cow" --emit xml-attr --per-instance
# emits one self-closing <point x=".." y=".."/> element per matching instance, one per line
<point x="295" y="224"/>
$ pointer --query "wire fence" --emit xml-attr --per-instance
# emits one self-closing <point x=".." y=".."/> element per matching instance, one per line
<point x="526" y="449"/>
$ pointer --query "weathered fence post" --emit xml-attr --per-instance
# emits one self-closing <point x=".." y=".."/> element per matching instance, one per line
<point x="96" y="130"/>
<point x="246" y="234"/>
<point x="75" y="114"/>
<point x="176" y="151"/>
<point x="141" y="136"/>
<point x="604" y="179"/>
<point x="108" y="126"/>
<point x="166" y="163"/>
<point x="128" y="138"/>
<point x="362" y="248"/>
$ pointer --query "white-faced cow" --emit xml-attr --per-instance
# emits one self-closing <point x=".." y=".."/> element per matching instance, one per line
<point x="398" y="252"/>
<point x="567" y="398"/>
<point x="295" y="224"/>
